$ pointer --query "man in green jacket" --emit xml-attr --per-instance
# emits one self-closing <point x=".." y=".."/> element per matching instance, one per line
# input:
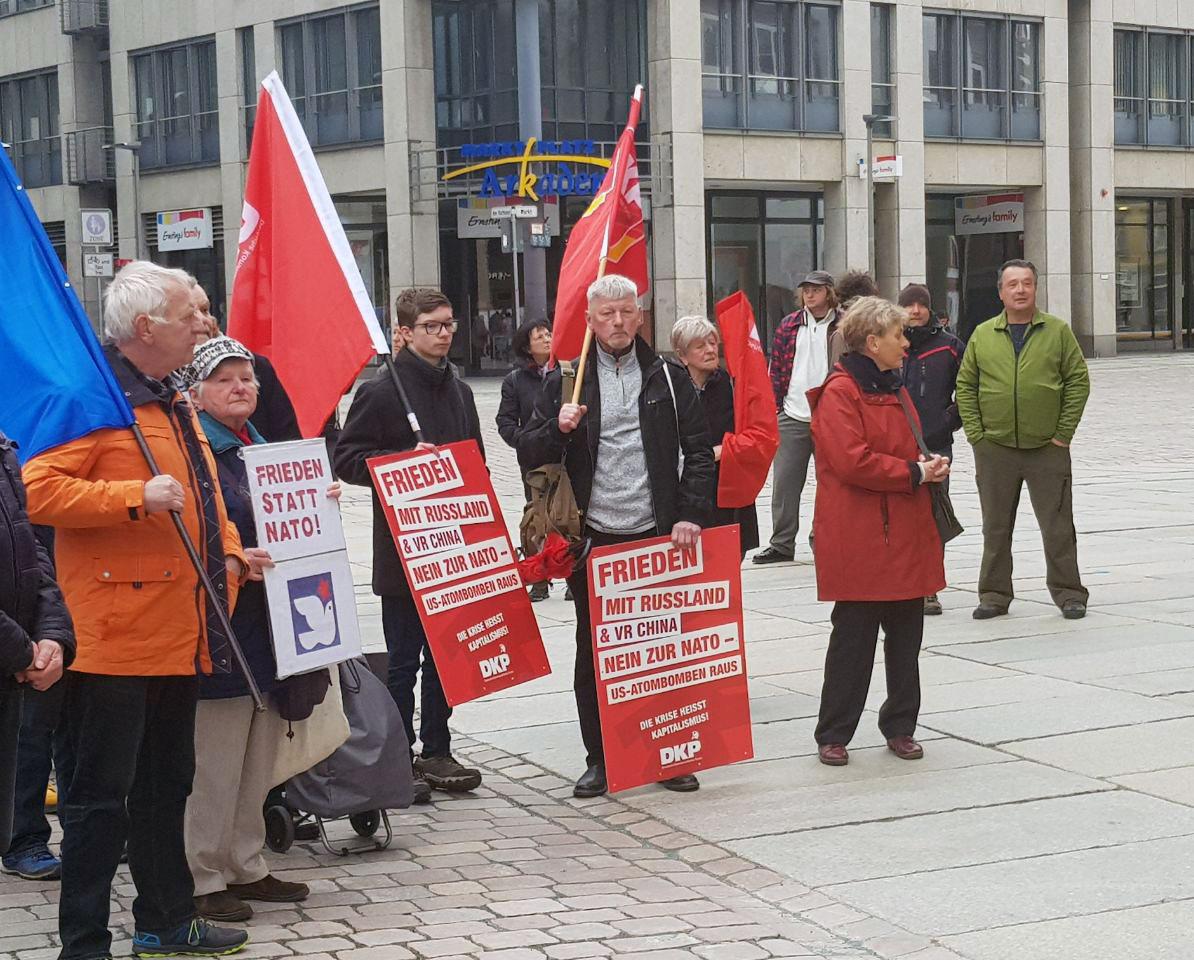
<point x="1021" y="390"/>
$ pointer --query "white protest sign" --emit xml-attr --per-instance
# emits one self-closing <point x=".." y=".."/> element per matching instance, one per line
<point x="312" y="603"/>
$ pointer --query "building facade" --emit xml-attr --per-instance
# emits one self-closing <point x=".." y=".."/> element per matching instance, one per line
<point x="1058" y="130"/>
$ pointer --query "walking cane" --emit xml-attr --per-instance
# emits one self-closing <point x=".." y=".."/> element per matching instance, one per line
<point x="197" y="562"/>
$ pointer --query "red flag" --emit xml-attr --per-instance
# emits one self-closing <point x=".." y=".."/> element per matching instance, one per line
<point x="298" y="296"/>
<point x="611" y="229"/>
<point x="746" y="454"/>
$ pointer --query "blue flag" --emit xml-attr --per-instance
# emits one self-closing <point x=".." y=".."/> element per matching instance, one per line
<point x="56" y="385"/>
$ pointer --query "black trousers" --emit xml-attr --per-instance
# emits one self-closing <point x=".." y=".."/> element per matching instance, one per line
<point x="410" y="654"/>
<point x="584" y="680"/>
<point x="133" y="745"/>
<point x="851" y="658"/>
<point x="40" y="741"/>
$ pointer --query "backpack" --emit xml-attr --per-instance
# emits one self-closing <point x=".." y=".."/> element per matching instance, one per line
<point x="552" y="504"/>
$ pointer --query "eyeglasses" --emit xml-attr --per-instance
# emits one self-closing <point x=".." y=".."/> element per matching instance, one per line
<point x="435" y="328"/>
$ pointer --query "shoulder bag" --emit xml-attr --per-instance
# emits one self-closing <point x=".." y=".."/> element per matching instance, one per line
<point x="948" y="526"/>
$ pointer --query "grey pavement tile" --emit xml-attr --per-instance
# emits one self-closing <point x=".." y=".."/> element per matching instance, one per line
<point x="963" y="899"/>
<point x="1108" y="753"/>
<point x="876" y="786"/>
<point x="1061" y="638"/>
<point x="1090" y="709"/>
<point x="989" y="834"/>
<point x="1156" y="932"/>
<point x="1176" y="783"/>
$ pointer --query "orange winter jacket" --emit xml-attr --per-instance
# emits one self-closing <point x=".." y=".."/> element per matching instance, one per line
<point x="135" y="598"/>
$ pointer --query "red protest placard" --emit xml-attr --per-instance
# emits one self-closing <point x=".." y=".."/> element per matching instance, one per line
<point x="460" y="565"/>
<point x="669" y="657"/>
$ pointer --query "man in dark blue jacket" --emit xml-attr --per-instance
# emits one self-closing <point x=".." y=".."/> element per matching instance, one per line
<point x="37" y="638"/>
<point x="930" y="374"/>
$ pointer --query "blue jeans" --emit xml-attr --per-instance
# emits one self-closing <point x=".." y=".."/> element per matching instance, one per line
<point x="133" y="743"/>
<point x="37" y="744"/>
<point x="409" y="652"/>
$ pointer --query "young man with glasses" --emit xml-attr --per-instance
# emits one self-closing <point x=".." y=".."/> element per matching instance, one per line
<point x="377" y="425"/>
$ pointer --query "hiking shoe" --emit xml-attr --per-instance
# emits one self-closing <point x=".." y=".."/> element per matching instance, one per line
<point x="35" y="864"/>
<point x="444" y="773"/>
<point x="932" y="606"/>
<point x="269" y="889"/>
<point x="223" y="905"/>
<point x="986" y="611"/>
<point x="195" y="939"/>
<point x="771" y="555"/>
<point x="422" y="792"/>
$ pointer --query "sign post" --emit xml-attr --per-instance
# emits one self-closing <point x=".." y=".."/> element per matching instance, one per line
<point x="459" y="564"/>
<point x="669" y="657"/>
<point x="522" y="211"/>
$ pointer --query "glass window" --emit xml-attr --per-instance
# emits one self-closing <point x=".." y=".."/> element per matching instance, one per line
<point x="763" y="244"/>
<point x="476" y="87"/>
<point x="177" y="106"/>
<point x="20" y="6"/>
<point x="331" y="65"/>
<point x="29" y="125"/>
<point x="1143" y="295"/>
<point x="982" y="77"/>
<point x="791" y="49"/>
<point x="248" y="81"/>
<point x="882" y="68"/>
<point x="1166" y="88"/>
<point x="1128" y="54"/>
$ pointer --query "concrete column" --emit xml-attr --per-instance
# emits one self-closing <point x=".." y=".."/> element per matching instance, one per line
<point x="123" y="119"/>
<point x="530" y="124"/>
<point x="408" y="94"/>
<point x="232" y="147"/>
<point x="678" y="209"/>
<point x="1092" y="175"/>
<point x="847" y="232"/>
<point x="905" y="245"/>
<point x="1047" y="209"/>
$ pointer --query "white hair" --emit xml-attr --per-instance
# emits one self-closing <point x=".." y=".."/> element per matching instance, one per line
<point x="139" y="287"/>
<point x="688" y="330"/>
<point x="613" y="286"/>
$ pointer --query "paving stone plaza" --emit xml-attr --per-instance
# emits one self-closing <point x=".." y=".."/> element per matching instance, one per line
<point x="1052" y="817"/>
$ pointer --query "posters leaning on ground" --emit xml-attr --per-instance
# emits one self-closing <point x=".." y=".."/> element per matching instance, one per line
<point x="461" y="568"/>
<point x="312" y="604"/>
<point x="669" y="657"/>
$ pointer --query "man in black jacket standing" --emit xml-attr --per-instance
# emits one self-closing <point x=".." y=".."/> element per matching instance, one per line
<point x="37" y="638"/>
<point x="931" y="374"/>
<point x="376" y="425"/>
<point x="622" y="449"/>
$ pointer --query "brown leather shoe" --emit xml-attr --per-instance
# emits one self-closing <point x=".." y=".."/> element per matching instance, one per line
<point x="833" y="754"/>
<point x="222" y="906"/>
<point x="269" y="889"/>
<point x="905" y="748"/>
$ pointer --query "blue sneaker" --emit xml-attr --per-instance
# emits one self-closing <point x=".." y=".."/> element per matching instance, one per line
<point x="35" y="864"/>
<point x="195" y="939"/>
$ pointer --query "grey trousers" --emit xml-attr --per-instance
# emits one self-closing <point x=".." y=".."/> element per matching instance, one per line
<point x="1001" y="473"/>
<point x="791" y="470"/>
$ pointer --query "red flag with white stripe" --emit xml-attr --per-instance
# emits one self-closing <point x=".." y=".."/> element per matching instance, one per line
<point x="298" y="296"/>
<point x="610" y="230"/>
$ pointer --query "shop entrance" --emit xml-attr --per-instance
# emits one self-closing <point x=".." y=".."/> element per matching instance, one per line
<point x="967" y="238"/>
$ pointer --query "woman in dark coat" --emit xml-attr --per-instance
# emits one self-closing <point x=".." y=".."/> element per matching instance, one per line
<point x="878" y="551"/>
<point x="520" y="390"/>
<point x="695" y="341"/>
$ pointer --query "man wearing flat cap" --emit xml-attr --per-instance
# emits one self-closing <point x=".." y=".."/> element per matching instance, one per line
<point x="930" y="374"/>
<point x="799" y="362"/>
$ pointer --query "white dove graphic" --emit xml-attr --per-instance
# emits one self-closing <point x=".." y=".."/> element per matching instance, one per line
<point x="321" y="618"/>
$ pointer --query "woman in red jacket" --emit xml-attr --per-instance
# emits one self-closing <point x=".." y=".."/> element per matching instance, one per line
<point x="878" y="552"/>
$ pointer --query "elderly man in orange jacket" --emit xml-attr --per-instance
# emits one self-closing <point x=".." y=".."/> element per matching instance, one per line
<point x="145" y="627"/>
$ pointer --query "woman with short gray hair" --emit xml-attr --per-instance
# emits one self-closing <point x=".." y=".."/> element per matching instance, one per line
<point x="695" y="341"/>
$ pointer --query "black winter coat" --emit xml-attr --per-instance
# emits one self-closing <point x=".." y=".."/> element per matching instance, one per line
<point x="717" y="400"/>
<point x="274" y="417"/>
<point x="520" y="393"/>
<point x="250" y="618"/>
<point x="376" y="425"/>
<point x="930" y="374"/>
<point x="667" y="429"/>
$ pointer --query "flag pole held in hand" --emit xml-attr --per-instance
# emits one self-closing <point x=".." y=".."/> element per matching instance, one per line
<point x="404" y="399"/>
